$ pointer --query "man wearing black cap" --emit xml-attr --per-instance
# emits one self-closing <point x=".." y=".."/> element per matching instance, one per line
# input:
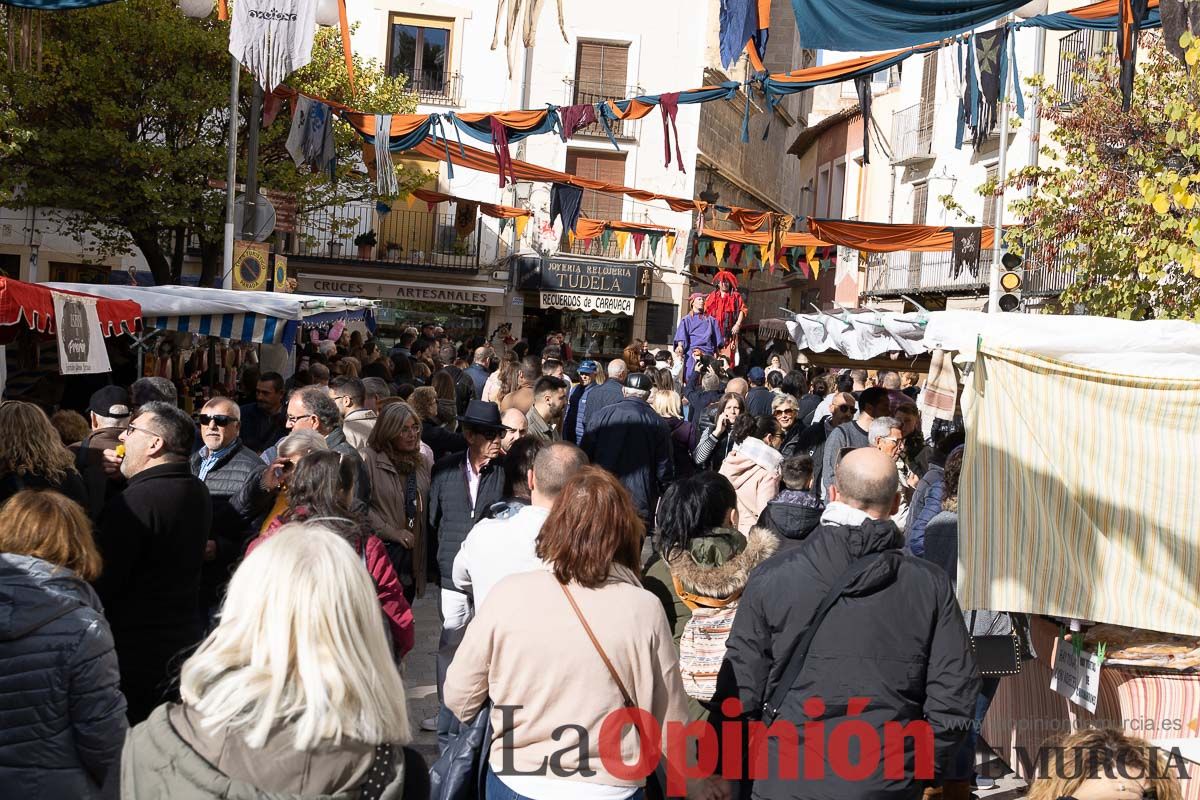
<point x="108" y="413"/>
<point x="630" y="440"/>
<point x="462" y="488"/>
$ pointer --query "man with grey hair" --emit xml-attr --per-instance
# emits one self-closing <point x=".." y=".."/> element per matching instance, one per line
<point x="886" y="435"/>
<point x="630" y="440"/>
<point x="153" y="390"/>
<point x="377" y="389"/>
<point x="855" y="569"/>
<point x="152" y="537"/>
<point x="313" y="409"/>
<point x="606" y="394"/>
<point x="497" y="548"/>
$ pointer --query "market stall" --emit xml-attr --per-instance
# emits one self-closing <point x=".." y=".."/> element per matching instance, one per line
<point x="1077" y="503"/>
<point x="210" y="335"/>
<point x="30" y="307"/>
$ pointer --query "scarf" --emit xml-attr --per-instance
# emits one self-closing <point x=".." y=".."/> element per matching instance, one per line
<point x="668" y="104"/>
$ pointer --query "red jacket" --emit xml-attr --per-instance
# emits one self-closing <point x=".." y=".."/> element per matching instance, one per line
<point x="387" y="586"/>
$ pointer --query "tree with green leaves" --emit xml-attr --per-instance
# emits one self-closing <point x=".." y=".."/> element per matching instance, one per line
<point x="1116" y="198"/>
<point x="127" y="116"/>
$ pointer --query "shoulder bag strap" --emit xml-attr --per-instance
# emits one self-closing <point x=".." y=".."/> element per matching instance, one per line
<point x="596" y="643"/>
<point x="795" y="666"/>
<point x="410" y="500"/>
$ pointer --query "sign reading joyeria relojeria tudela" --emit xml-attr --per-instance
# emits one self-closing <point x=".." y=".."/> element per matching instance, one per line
<point x="595" y="277"/>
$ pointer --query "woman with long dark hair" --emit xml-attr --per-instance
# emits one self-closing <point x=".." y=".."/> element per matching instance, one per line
<point x="701" y="563"/>
<point x="714" y="441"/>
<point x="321" y="489"/>
<point x="447" y="399"/>
<point x="752" y="466"/>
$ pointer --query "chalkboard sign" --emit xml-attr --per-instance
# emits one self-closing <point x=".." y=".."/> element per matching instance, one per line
<point x="661" y="321"/>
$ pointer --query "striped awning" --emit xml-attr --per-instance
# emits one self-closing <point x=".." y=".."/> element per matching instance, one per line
<point x="247" y="327"/>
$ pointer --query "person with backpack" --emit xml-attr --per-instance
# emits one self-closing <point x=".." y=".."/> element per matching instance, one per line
<point x="700" y="567"/>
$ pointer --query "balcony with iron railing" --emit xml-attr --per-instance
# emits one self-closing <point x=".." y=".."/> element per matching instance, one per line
<point x="580" y="93"/>
<point x="912" y="135"/>
<point x="435" y="88"/>
<point x="1076" y="54"/>
<point x="405" y="239"/>
<point x="909" y="273"/>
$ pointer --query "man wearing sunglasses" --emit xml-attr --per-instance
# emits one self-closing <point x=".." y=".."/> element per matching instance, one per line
<point x="225" y="465"/>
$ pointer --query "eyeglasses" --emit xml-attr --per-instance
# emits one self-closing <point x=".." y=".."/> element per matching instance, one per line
<point x="221" y="420"/>
<point x="779" y="412"/>
<point x="131" y="428"/>
<point x="891" y="439"/>
<point x="293" y="420"/>
<point x="337" y="397"/>
<point x="847" y="409"/>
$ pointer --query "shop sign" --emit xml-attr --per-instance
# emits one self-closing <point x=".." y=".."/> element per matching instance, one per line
<point x="1076" y="675"/>
<point x="594" y="277"/>
<point x="588" y="302"/>
<point x="81" y="347"/>
<point x="388" y="290"/>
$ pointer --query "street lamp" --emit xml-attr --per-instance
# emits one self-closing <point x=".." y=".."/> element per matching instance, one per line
<point x="196" y="9"/>
<point x="327" y="13"/>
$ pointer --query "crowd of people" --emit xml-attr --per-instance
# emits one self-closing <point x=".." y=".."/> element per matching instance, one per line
<point x="226" y="601"/>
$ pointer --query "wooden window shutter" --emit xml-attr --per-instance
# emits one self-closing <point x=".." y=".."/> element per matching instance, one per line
<point x="599" y="166"/>
<point x="602" y="68"/>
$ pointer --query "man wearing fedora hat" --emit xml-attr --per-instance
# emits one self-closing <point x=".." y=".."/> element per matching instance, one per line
<point x="630" y="440"/>
<point x="463" y="486"/>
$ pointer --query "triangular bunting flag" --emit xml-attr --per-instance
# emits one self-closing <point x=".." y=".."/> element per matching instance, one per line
<point x="763" y="251"/>
<point x="622" y="240"/>
<point x="735" y="252"/>
<point x="702" y="248"/>
<point x="431" y="205"/>
<point x="670" y="244"/>
<point x="655" y="241"/>
<point x="503" y="224"/>
<point x="638" y="239"/>
<point x="719" y="249"/>
<point x="586" y="243"/>
<point x="606" y="238"/>
<point x="783" y="262"/>
<point x="571" y="238"/>
<point x="521" y="223"/>
<point x="410" y="199"/>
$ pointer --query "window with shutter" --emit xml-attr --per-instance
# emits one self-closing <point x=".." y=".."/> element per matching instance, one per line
<point x="990" y="201"/>
<point x="601" y="73"/>
<point x="920" y="207"/>
<point x="928" y="100"/>
<point x="598" y="166"/>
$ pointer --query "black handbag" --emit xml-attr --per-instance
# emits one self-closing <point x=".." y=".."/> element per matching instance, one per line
<point x="996" y="656"/>
<point x="460" y="773"/>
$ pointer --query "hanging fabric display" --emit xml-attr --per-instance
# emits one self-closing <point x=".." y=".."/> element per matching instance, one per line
<point x="671" y="239"/>
<point x="500" y="145"/>
<point x="503" y="224"/>
<point x="565" y="201"/>
<point x="655" y="241"/>
<point x="310" y="140"/>
<point x="862" y="86"/>
<point x="521" y="223"/>
<point x="606" y="238"/>
<point x="868" y="25"/>
<point x="573" y="119"/>
<point x="702" y="249"/>
<point x="967" y="245"/>
<point x="386" y="182"/>
<point x="719" y="249"/>
<point x="735" y="252"/>
<point x="989" y="48"/>
<point x="272" y="38"/>
<point x="1133" y="12"/>
<point x="465" y="214"/>
<point x="668" y="103"/>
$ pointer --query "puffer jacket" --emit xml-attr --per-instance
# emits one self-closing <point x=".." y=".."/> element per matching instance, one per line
<point x="170" y="756"/>
<point x="63" y="713"/>
<point x="232" y="528"/>
<point x="896" y="637"/>
<point x="753" y="469"/>
<point x="792" y="515"/>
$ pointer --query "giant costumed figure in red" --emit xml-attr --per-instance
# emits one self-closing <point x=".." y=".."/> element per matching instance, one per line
<point x="729" y="309"/>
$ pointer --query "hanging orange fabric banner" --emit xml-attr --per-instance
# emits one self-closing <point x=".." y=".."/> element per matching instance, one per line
<point x="750" y="221"/>
<point x="878" y="237"/>
<point x="487" y="209"/>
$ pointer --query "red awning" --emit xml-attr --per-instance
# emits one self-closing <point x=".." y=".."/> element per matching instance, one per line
<point x="31" y="304"/>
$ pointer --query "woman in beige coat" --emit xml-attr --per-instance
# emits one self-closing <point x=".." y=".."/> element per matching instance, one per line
<point x="399" y="491"/>
<point x="529" y="651"/>
<point x="752" y="466"/>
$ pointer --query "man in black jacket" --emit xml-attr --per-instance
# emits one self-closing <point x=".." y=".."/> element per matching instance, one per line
<point x="152" y="537"/>
<point x="630" y="440"/>
<point x="892" y="649"/>
<point x="312" y="409"/>
<point x="461" y="490"/>
<point x="606" y="394"/>
<point x="577" y="403"/>
<point x="225" y="465"/>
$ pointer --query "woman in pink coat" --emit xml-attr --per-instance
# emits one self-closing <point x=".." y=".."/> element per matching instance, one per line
<point x="321" y="490"/>
<point x="752" y="466"/>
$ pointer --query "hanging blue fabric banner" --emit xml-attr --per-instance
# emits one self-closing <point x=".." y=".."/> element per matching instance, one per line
<point x="867" y="25"/>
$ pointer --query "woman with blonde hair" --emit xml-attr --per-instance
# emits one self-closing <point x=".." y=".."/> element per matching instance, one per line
<point x="1105" y="764"/>
<point x="33" y="456"/>
<point x="399" y="492"/>
<point x="611" y="648"/>
<point x="294" y="693"/>
<point x="63" y="708"/>
<point x="669" y="405"/>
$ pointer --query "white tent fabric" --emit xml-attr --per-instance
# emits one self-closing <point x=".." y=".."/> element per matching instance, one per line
<point x="1158" y="347"/>
<point x="176" y="301"/>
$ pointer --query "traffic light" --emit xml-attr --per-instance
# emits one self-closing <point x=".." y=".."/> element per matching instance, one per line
<point x="1012" y="280"/>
